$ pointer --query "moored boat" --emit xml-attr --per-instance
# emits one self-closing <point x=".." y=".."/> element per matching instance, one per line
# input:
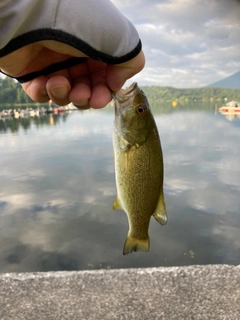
<point x="230" y="107"/>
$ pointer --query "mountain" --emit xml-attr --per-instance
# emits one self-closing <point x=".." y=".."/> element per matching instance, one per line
<point x="232" y="82"/>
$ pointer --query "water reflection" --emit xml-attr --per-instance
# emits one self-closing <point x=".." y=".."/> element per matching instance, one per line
<point x="231" y="116"/>
<point x="15" y="124"/>
<point x="57" y="189"/>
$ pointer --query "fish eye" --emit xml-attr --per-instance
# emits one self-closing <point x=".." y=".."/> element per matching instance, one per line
<point x="140" y="110"/>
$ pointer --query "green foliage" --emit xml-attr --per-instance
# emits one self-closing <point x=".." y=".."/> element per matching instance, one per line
<point x="11" y="92"/>
<point x="191" y="94"/>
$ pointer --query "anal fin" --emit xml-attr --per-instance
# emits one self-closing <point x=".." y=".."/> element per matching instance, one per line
<point x="160" y="213"/>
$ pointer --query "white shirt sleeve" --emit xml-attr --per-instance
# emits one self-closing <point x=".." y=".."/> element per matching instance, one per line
<point x="94" y="27"/>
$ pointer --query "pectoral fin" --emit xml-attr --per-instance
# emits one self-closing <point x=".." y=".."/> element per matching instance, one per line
<point x="160" y="213"/>
<point x="117" y="204"/>
<point x="123" y="162"/>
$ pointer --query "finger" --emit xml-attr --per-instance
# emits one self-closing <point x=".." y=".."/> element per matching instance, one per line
<point x="81" y="88"/>
<point x="116" y="75"/>
<point x="58" y="88"/>
<point x="101" y="96"/>
<point x="80" y="95"/>
<point x="36" y="89"/>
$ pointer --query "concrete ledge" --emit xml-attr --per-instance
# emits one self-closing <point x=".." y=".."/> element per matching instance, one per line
<point x="194" y="292"/>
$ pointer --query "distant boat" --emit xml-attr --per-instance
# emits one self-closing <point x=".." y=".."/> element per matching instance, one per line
<point x="36" y="112"/>
<point x="230" y="107"/>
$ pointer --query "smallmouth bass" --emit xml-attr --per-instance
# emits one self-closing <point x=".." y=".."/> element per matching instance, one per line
<point x="138" y="166"/>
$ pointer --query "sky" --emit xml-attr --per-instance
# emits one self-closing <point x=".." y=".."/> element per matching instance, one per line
<point x="187" y="43"/>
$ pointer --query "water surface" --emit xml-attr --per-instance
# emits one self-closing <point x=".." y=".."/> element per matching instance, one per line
<point x="57" y="188"/>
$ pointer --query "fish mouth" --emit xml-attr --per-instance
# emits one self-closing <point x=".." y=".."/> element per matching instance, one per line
<point x="123" y="97"/>
<point x="125" y="94"/>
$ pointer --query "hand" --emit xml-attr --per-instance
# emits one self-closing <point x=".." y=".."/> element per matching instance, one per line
<point x="87" y="85"/>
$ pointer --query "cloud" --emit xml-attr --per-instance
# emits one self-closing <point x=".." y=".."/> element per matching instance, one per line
<point x="186" y="43"/>
<point x="59" y="216"/>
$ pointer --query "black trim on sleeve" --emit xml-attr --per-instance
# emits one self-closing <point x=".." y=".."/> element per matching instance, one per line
<point x="61" y="36"/>
<point x="52" y="68"/>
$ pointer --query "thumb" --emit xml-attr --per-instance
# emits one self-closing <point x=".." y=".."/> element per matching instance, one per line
<point x="117" y="75"/>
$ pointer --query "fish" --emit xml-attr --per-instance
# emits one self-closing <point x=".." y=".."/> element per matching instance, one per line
<point x="139" y="169"/>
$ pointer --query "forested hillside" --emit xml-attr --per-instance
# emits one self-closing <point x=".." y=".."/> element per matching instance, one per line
<point x="12" y="93"/>
<point x="191" y="94"/>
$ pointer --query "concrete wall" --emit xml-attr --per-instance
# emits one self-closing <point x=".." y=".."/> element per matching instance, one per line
<point x="194" y="292"/>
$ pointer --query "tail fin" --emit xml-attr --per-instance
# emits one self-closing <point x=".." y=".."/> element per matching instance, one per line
<point x="132" y="244"/>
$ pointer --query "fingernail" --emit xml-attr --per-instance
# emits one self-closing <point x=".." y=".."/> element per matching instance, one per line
<point x="59" y="92"/>
<point x="81" y="104"/>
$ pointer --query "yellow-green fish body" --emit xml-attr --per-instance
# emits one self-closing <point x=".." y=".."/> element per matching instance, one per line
<point x="138" y="166"/>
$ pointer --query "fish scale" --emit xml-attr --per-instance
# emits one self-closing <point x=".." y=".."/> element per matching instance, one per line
<point x="138" y="166"/>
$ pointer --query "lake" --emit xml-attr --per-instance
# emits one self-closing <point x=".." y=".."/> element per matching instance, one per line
<point x="57" y="189"/>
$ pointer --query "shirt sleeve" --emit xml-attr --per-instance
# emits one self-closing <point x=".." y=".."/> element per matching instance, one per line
<point x="94" y="27"/>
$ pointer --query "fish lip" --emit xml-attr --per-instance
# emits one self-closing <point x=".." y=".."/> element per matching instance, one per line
<point x="124" y="94"/>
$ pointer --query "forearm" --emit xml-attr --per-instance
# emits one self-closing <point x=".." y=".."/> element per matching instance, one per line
<point x="94" y="27"/>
